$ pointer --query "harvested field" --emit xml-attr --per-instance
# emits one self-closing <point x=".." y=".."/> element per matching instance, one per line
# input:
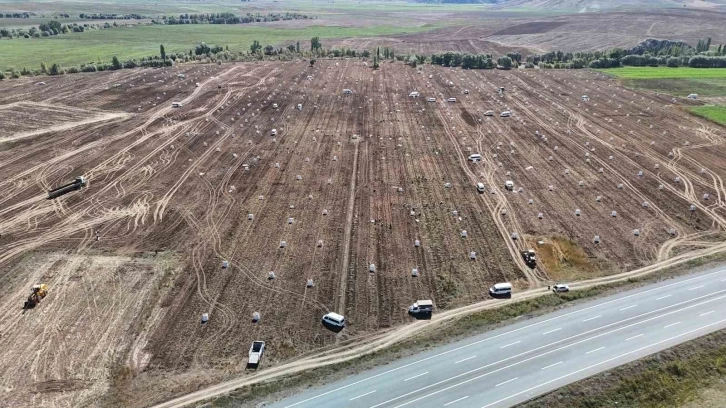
<point x="348" y="181"/>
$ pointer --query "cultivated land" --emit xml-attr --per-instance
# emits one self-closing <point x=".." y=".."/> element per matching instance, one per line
<point x="183" y="181"/>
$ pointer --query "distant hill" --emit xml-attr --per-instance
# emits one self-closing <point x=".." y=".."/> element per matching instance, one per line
<point x="589" y="5"/>
<point x="599" y="5"/>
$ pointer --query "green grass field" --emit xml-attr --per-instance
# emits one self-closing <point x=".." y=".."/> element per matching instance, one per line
<point x="674" y="81"/>
<point x="714" y="113"/>
<point x="665" y="73"/>
<point x="136" y="42"/>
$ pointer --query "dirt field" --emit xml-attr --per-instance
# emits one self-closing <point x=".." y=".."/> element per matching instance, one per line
<point x="377" y="171"/>
<point x="498" y="34"/>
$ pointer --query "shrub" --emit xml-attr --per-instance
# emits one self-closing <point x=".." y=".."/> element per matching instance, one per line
<point x="673" y="62"/>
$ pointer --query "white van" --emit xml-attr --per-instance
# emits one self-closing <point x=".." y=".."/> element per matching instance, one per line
<point x="274" y="132"/>
<point x="430" y="99"/>
<point x="334" y="319"/>
<point x="489" y="113"/>
<point x="413" y="94"/>
<point x="506" y="114"/>
<point x="693" y="96"/>
<point x="176" y="104"/>
<point x="501" y="289"/>
<point x="299" y="106"/>
<point x="347" y="91"/>
<point x="274" y="105"/>
<point x="452" y="99"/>
<point x="480" y="188"/>
<point x="475" y="157"/>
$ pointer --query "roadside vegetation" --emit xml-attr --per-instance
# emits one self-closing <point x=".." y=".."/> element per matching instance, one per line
<point x="669" y="378"/>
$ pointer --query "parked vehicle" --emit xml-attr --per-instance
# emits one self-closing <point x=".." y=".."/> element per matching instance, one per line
<point x="489" y="113"/>
<point x="480" y="188"/>
<point x="452" y="99"/>
<point x="255" y="354"/>
<point x="475" y="157"/>
<point x="333" y="319"/>
<point x="506" y="114"/>
<point x="421" y="306"/>
<point x="501" y="290"/>
<point x="430" y="99"/>
<point x="560" y="287"/>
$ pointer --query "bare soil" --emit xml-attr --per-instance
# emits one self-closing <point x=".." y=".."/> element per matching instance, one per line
<point x="183" y="181"/>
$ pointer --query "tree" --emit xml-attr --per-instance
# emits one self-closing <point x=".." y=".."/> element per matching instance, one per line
<point x="315" y="44"/>
<point x="115" y="63"/>
<point x="43" y="68"/>
<point x="55" y="69"/>
<point x="673" y="62"/>
<point x="297" y="47"/>
<point x="162" y="51"/>
<point x="291" y="47"/>
<point x="375" y="62"/>
<point x="413" y="61"/>
<point x="2" y="76"/>
<point x="505" y="62"/>
<point x="269" y="50"/>
<point x="255" y="47"/>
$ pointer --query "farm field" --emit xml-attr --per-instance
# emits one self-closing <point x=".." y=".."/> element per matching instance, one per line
<point x="714" y="113"/>
<point x="681" y="81"/>
<point x="143" y="41"/>
<point x="349" y="181"/>
<point x="666" y="73"/>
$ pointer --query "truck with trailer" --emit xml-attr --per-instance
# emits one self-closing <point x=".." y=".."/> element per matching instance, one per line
<point x="77" y="184"/>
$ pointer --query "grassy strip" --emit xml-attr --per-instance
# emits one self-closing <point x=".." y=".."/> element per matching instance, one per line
<point x="669" y="378"/>
<point x="715" y="114"/>
<point x="142" y="41"/>
<point x="665" y="72"/>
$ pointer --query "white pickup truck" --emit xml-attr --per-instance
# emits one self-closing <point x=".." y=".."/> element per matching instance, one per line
<point x="255" y="355"/>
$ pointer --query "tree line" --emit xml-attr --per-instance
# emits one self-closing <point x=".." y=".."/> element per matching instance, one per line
<point x="229" y="18"/>
<point x="650" y="53"/>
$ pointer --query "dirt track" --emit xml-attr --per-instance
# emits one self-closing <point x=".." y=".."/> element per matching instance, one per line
<point x="183" y="181"/>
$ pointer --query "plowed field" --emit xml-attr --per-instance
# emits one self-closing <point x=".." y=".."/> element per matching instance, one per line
<point x="372" y="178"/>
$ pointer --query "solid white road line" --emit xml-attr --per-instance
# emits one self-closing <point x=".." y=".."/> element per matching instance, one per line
<point x="672" y="324"/>
<point x="552" y="331"/>
<point x="415" y="376"/>
<point x="635" y="337"/>
<point x="456" y="400"/>
<point x="697" y="287"/>
<point x="620" y="299"/>
<point x="662" y="297"/>
<point x="508" y="381"/>
<point x="527" y="391"/>
<point x="362" y="395"/>
<point x="511" y="344"/>
<point x="464" y="359"/>
<point x="597" y="349"/>
<point x="592" y="318"/>
<point x="553" y="350"/>
<point x="628" y="307"/>
<point x="707" y="313"/>
<point x="552" y="365"/>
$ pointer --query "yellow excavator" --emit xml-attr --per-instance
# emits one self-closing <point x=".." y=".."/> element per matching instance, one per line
<point x="37" y="294"/>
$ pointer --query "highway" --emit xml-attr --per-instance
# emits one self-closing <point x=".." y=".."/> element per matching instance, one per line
<point x="507" y="366"/>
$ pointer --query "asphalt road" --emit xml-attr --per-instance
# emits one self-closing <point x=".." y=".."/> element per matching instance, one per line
<point x="510" y="365"/>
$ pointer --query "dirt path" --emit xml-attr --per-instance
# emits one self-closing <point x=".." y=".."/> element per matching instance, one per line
<point x="348" y="232"/>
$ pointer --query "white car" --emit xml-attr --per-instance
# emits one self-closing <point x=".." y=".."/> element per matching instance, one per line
<point x="476" y="157"/>
<point x="430" y="99"/>
<point x="506" y="114"/>
<point x="560" y="287"/>
<point x="489" y="113"/>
